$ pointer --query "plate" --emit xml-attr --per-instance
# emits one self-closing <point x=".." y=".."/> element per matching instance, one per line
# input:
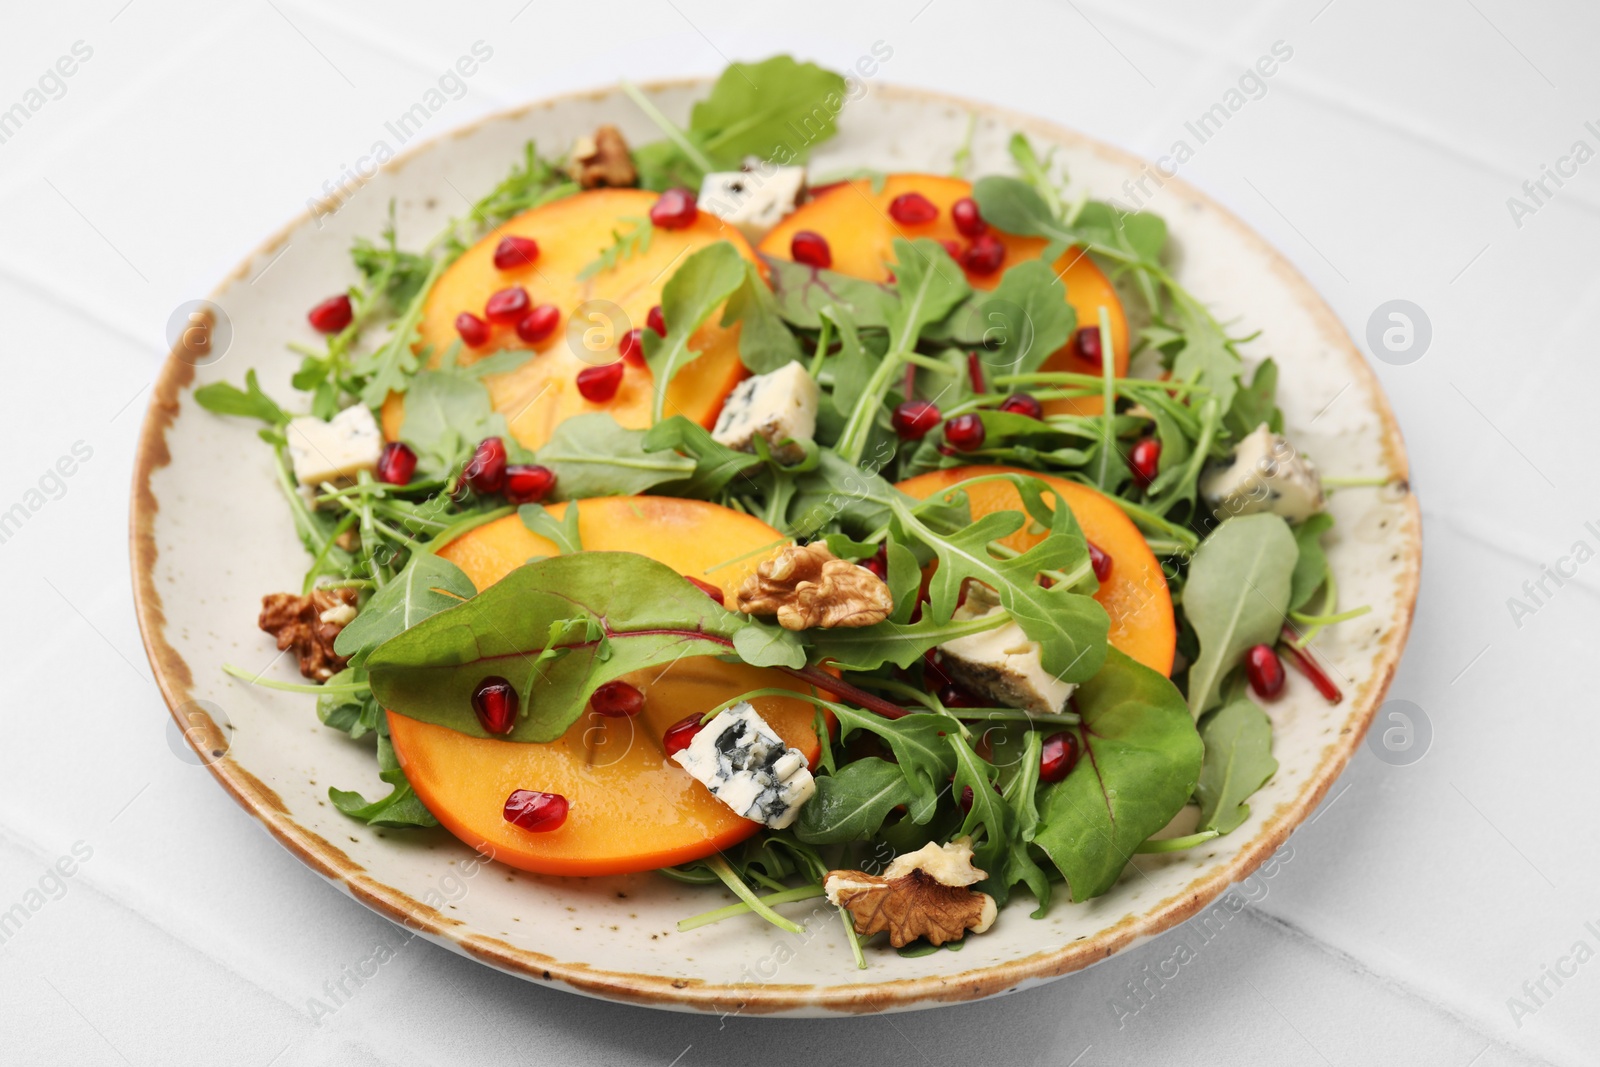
<point x="210" y="536"/>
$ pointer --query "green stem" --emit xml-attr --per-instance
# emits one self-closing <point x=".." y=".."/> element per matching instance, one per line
<point x="669" y="128"/>
<point x="785" y="896"/>
<point x="1177" y="844"/>
<point x="461" y="526"/>
<point x="1329" y="620"/>
<point x="731" y="879"/>
<point x="823" y="342"/>
<point x="254" y="678"/>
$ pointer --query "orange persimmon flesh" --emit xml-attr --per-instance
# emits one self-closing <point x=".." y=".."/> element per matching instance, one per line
<point x="632" y="809"/>
<point x="861" y="233"/>
<point x="1135" y="595"/>
<point x="595" y="313"/>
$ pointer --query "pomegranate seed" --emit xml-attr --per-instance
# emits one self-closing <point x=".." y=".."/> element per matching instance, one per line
<point x="964" y="432"/>
<point x="984" y="255"/>
<point x="539" y="323"/>
<point x="508" y="305"/>
<point x="912" y="209"/>
<point x="473" y="330"/>
<point x="712" y="591"/>
<point x="1306" y="665"/>
<point x="332" y="315"/>
<point x="1265" y="671"/>
<point x="953" y="696"/>
<point x="617" y="700"/>
<point x="528" y="483"/>
<point x="396" y="463"/>
<point x="812" y="249"/>
<point x="1023" y="404"/>
<point x="969" y="223"/>
<point x="535" y="811"/>
<point x="495" y="704"/>
<point x="681" y="733"/>
<point x="675" y="210"/>
<point x="486" y="470"/>
<point x="599" y="384"/>
<point x="913" y="419"/>
<point x="1058" y="757"/>
<point x="631" y="348"/>
<point x="1086" y="345"/>
<point x="656" y="321"/>
<point x="1100" y="561"/>
<point x="878" y="564"/>
<point x="952" y="247"/>
<point x="514" y="252"/>
<point x="1144" y="459"/>
<point x="966" y="795"/>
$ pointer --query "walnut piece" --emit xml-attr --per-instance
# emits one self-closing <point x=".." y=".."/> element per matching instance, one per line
<point x="308" y="624"/>
<point x="927" y="893"/>
<point x="807" y="585"/>
<point x="602" y="160"/>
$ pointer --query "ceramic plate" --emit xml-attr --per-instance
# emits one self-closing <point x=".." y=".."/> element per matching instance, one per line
<point x="210" y="535"/>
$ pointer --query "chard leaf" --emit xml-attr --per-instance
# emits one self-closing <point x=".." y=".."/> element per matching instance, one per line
<point x="698" y="287"/>
<point x="556" y="629"/>
<point x="1236" y="596"/>
<point x="1140" y="762"/>
<point x="764" y="645"/>
<point x="1238" y="761"/>
<point x="765" y="343"/>
<point x="851" y="804"/>
<point x="224" y="399"/>
<point x="427" y="586"/>
<point x="592" y="455"/>
<point x="1311" y="565"/>
<point x="802" y="293"/>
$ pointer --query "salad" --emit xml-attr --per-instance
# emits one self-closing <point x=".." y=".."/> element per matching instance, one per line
<point x="903" y="539"/>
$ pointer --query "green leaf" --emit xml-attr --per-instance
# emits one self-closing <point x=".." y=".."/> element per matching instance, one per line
<point x="556" y="629"/>
<point x="224" y="399"/>
<point x="447" y="414"/>
<point x="1017" y="863"/>
<point x="427" y="586"/>
<point x="853" y="365"/>
<point x="1070" y="627"/>
<point x="401" y="808"/>
<point x="802" y="293"/>
<point x="867" y="648"/>
<point x="1014" y="206"/>
<point x="1020" y="323"/>
<point x="1256" y="403"/>
<point x="1140" y="760"/>
<point x="851" y="804"/>
<point x="564" y="533"/>
<point x="929" y="285"/>
<point x="592" y="455"/>
<point x="635" y="241"/>
<point x="920" y="749"/>
<point x="706" y="279"/>
<point x="1237" y="596"/>
<point x="1311" y="565"/>
<point x="354" y="713"/>
<point x="1238" y="761"/>
<point x="715" y="465"/>
<point x="765" y="343"/>
<point x="858" y="498"/>
<point x="988" y="813"/>
<point x="777" y="109"/>
<point x="389" y="369"/>
<point x="763" y="645"/>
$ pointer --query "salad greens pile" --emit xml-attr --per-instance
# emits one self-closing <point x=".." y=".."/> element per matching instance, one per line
<point x="903" y="767"/>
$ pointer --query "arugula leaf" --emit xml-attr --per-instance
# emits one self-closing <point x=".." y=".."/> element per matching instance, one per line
<point x="564" y="533"/>
<point x="802" y="293"/>
<point x="1141" y="759"/>
<point x="1311" y="565"/>
<point x="1256" y="403"/>
<point x="1070" y="627"/>
<point x="354" y="713"/>
<point x="851" y="803"/>
<point x="1207" y="356"/>
<point x="867" y="648"/>
<point x="592" y="455"/>
<point x="1017" y="207"/>
<point x="557" y="629"/>
<point x="758" y="108"/>
<point x="920" y="751"/>
<point x="853" y="366"/>
<point x="224" y="399"/>
<point x="427" y="586"/>
<point x="1238" y="761"/>
<point x="401" y="808"/>
<point x="1036" y="171"/>
<point x="1236" y="596"/>
<point x="858" y="498"/>
<point x="698" y="287"/>
<point x="765" y="343"/>
<point x="447" y="414"/>
<point x="635" y="241"/>
<point x="1017" y="864"/>
<point x="715" y="465"/>
<point x="1019" y="323"/>
<point x="389" y="369"/>
<point x="988" y="814"/>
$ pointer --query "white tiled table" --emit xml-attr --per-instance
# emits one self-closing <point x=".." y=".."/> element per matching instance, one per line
<point x="1380" y="159"/>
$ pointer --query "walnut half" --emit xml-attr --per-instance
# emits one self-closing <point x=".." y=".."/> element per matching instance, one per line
<point x="602" y="160"/>
<point x="807" y="585"/>
<point x="927" y="893"/>
<point x="309" y="624"/>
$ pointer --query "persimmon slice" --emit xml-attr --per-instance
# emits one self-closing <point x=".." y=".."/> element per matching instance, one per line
<point x="595" y="313"/>
<point x="1135" y="595"/>
<point x="861" y="233"/>
<point x="632" y="809"/>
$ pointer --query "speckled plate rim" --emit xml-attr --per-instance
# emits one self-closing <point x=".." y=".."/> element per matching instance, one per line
<point x="176" y="680"/>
